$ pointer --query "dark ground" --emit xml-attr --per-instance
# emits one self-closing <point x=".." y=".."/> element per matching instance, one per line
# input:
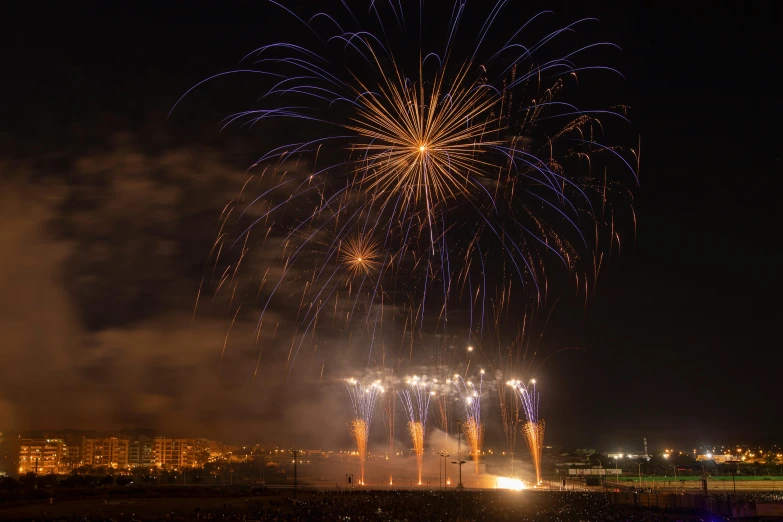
<point x="357" y="506"/>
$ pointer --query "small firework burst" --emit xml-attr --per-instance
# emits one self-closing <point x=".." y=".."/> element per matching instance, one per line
<point x="360" y="255"/>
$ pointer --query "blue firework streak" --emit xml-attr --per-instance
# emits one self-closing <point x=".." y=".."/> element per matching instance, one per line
<point x="416" y="400"/>
<point x="422" y="171"/>
<point x="470" y="395"/>
<point x="528" y="398"/>
<point x="364" y="398"/>
<point x="534" y="428"/>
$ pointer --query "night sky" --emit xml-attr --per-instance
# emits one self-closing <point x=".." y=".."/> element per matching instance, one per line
<point x="109" y="209"/>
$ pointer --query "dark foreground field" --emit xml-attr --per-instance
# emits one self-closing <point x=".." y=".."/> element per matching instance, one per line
<point x="410" y="506"/>
<point x="125" y="510"/>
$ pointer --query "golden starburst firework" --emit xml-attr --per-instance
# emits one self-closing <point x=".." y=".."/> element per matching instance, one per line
<point x="427" y="144"/>
<point x="360" y="255"/>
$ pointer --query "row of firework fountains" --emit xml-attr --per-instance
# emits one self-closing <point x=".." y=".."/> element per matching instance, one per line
<point x="415" y="397"/>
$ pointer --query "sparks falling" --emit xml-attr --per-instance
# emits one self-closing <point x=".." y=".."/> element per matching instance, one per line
<point x="470" y="395"/>
<point x="533" y="429"/>
<point x="416" y="430"/>
<point x="363" y="399"/>
<point x="416" y="400"/>
<point x="422" y="166"/>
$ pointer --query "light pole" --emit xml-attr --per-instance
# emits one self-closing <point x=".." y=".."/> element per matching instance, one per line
<point x="459" y="451"/>
<point x="640" y="474"/>
<point x="444" y="456"/>
<point x="616" y="475"/>
<point x="600" y="470"/>
<point x="512" y="461"/>
<point x="262" y="471"/>
<point x="675" y="477"/>
<point x="460" y="462"/>
<point x="296" y="452"/>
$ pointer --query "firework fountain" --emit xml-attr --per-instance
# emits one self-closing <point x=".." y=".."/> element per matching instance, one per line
<point x="508" y="400"/>
<point x="473" y="428"/>
<point x="389" y="411"/>
<point x="416" y="401"/>
<point x="533" y="428"/>
<point x="418" y="166"/>
<point x="363" y="399"/>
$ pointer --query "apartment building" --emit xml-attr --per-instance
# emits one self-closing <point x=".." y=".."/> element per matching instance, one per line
<point x="175" y="453"/>
<point x="142" y="452"/>
<point x="110" y="452"/>
<point x="40" y="456"/>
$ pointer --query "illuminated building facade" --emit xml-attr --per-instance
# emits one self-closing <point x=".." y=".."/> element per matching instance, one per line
<point x="142" y="452"/>
<point x="111" y="452"/>
<point x="175" y="453"/>
<point x="9" y="454"/>
<point x="40" y="456"/>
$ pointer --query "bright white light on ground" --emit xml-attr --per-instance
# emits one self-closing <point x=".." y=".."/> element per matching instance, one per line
<point x="510" y="483"/>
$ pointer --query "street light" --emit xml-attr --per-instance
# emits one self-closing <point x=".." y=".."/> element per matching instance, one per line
<point x="616" y="474"/>
<point x="640" y="474"/>
<point x="675" y="477"/>
<point x="459" y="453"/>
<point x="600" y="463"/>
<point x="296" y="453"/>
<point x="444" y="456"/>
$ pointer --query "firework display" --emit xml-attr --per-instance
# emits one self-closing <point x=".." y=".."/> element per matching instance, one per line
<point x="389" y="410"/>
<point x="416" y="400"/>
<point x="429" y="181"/>
<point x="533" y="429"/>
<point x="363" y="399"/>
<point x="429" y="178"/>
<point x="470" y="395"/>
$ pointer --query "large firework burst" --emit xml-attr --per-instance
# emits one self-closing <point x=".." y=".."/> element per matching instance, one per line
<point x="432" y="179"/>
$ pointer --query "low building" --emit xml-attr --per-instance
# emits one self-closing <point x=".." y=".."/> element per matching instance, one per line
<point x="718" y="458"/>
<point x="9" y="454"/>
<point x="594" y="471"/>
<point x="262" y="448"/>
